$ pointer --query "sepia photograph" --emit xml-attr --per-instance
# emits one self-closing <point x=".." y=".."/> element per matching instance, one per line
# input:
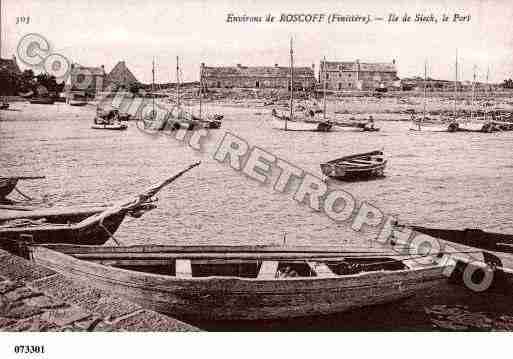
<point x="241" y="166"/>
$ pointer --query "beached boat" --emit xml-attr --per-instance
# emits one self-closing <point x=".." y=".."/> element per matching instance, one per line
<point x="491" y="253"/>
<point x="354" y="167"/>
<point x="80" y="225"/>
<point x="109" y="126"/>
<point x="211" y="283"/>
<point x="42" y="101"/>
<point x="4" y="105"/>
<point x="470" y="237"/>
<point x="289" y="122"/>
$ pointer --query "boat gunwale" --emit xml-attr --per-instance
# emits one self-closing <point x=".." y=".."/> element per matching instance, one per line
<point x="335" y="278"/>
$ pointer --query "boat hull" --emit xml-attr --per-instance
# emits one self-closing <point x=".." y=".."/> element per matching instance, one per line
<point x="89" y="235"/>
<point x="117" y="127"/>
<point x="42" y="101"/>
<point x="280" y="124"/>
<point x="7" y="185"/>
<point x="355" y="167"/>
<point x="235" y="298"/>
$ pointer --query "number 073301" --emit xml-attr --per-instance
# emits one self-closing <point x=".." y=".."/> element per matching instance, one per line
<point x="29" y="349"/>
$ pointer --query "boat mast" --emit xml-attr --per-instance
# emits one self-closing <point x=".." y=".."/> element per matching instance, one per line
<point x="153" y="85"/>
<point x="324" y="77"/>
<point x="486" y="94"/>
<point x="177" y="83"/>
<point x="291" y="84"/>
<point x="425" y="89"/>
<point x="455" y="83"/>
<point x="473" y="99"/>
<point x="201" y="89"/>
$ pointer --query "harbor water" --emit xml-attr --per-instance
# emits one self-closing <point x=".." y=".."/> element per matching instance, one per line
<point x="448" y="180"/>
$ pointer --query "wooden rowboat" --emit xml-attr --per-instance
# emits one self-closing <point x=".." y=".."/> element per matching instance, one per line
<point x="73" y="225"/>
<point x="358" y="166"/>
<point x="209" y="283"/>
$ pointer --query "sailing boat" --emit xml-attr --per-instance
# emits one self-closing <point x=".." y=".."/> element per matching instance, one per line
<point x="425" y="124"/>
<point x="353" y="126"/>
<point x="184" y="119"/>
<point x="289" y="123"/>
<point x="468" y="124"/>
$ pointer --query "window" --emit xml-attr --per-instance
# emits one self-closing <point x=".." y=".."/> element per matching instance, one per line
<point x="80" y="78"/>
<point x="327" y="76"/>
<point x="340" y="74"/>
<point x="340" y="86"/>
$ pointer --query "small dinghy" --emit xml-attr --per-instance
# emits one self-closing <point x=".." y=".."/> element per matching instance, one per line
<point x="354" y="167"/>
<point x="209" y="283"/>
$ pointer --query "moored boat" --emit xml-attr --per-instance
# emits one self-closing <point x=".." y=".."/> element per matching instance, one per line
<point x="292" y="123"/>
<point x="284" y="123"/>
<point x="80" y="225"/>
<point x="354" y="167"/>
<point x="42" y="101"/>
<point x="109" y="126"/>
<point x="491" y="259"/>
<point x="211" y="283"/>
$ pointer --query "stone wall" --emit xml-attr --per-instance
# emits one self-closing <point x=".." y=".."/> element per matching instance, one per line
<point x="33" y="298"/>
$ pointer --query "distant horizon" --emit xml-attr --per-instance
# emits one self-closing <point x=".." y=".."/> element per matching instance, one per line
<point x="94" y="33"/>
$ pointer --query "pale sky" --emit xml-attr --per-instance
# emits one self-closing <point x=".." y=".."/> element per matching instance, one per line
<point x="96" y="32"/>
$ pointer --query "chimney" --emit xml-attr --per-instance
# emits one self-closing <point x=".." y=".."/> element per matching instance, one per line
<point x="313" y="67"/>
<point x="393" y="62"/>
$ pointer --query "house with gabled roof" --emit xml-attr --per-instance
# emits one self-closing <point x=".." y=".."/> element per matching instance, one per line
<point x="121" y="76"/>
<point x="356" y="75"/>
<point x="257" y="77"/>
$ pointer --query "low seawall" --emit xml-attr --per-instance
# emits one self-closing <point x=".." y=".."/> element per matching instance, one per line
<point x="34" y="298"/>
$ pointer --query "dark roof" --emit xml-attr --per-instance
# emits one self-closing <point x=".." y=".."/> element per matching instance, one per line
<point x="10" y="64"/>
<point x="353" y="66"/>
<point x="257" y="71"/>
<point x="121" y="75"/>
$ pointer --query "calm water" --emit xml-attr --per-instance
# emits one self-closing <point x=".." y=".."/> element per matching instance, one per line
<point x="449" y="180"/>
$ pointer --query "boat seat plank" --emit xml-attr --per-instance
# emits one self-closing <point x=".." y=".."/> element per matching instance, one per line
<point x="321" y="269"/>
<point x="183" y="268"/>
<point x="268" y="270"/>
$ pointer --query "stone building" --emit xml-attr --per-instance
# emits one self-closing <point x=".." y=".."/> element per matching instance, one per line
<point x="86" y="81"/>
<point x="257" y="77"/>
<point x="357" y="75"/>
